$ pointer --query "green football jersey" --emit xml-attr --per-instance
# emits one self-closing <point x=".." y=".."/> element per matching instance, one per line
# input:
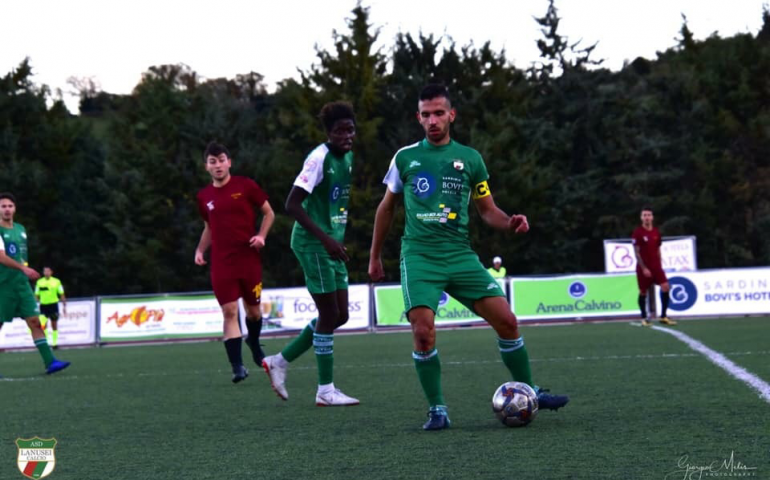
<point x="14" y="241"/>
<point x="438" y="183"/>
<point x="326" y="178"/>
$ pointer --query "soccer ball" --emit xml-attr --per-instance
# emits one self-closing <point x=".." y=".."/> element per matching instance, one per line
<point x="515" y="404"/>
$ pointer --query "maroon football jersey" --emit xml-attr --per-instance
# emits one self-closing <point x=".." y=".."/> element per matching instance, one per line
<point x="230" y="213"/>
<point x="649" y="242"/>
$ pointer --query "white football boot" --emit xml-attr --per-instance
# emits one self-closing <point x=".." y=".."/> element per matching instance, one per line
<point x="328" y="396"/>
<point x="276" y="367"/>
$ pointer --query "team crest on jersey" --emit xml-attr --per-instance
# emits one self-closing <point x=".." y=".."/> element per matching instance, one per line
<point x="210" y="205"/>
<point x="36" y="458"/>
<point x="459" y="165"/>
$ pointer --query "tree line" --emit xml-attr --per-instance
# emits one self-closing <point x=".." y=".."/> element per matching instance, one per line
<point x="108" y="196"/>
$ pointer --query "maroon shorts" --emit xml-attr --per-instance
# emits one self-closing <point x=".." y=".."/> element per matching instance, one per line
<point x="229" y="286"/>
<point x="658" y="277"/>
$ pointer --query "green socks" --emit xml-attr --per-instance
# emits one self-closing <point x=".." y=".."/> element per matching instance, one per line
<point x="323" y="344"/>
<point x="45" y="351"/>
<point x="301" y="344"/>
<point x="516" y="359"/>
<point x="428" y="368"/>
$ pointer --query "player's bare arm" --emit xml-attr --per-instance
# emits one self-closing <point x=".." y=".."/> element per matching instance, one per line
<point x="383" y="220"/>
<point x="498" y="219"/>
<point x="203" y="244"/>
<point x="297" y="195"/>
<point x="268" y="217"/>
<point x="7" y="261"/>
<point x="640" y="262"/>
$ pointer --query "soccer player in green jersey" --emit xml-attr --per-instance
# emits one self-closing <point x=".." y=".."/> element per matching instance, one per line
<point x="437" y="177"/>
<point x="49" y="291"/>
<point x="16" y="297"/>
<point x="319" y="203"/>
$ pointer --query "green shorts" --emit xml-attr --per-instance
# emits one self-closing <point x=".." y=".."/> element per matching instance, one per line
<point x="322" y="274"/>
<point x="17" y="300"/>
<point x="425" y="276"/>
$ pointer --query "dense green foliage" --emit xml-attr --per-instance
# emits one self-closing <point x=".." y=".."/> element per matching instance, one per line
<point x="108" y="195"/>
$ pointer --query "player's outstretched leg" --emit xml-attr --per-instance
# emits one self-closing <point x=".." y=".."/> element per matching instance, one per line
<point x="276" y="366"/>
<point x="512" y="350"/>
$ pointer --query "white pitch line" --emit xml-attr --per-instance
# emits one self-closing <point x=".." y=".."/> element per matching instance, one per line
<point x="68" y="376"/>
<point x="718" y="359"/>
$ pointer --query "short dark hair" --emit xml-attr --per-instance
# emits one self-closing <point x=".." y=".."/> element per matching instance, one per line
<point x="9" y="196"/>
<point x="435" y="90"/>
<point x="334" y="111"/>
<point x="647" y="209"/>
<point x="215" y="149"/>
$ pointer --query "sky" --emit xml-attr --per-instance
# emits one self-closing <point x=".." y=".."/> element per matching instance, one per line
<point x="114" y="41"/>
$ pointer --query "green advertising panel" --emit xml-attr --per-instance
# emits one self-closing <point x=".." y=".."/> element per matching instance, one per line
<point x="389" y="305"/>
<point x="574" y="296"/>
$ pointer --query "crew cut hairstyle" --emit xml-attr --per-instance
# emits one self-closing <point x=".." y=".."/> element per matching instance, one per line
<point x="647" y="209"/>
<point x="435" y="90"/>
<point x="9" y="196"/>
<point x="215" y="149"/>
<point x="333" y="111"/>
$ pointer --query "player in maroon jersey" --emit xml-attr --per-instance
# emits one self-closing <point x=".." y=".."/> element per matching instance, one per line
<point x="647" y="241"/>
<point x="227" y="207"/>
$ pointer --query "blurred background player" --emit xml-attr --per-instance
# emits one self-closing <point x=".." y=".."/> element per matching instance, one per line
<point x="49" y="291"/>
<point x="16" y="297"/>
<point x="435" y="178"/>
<point x="319" y="203"/>
<point x="649" y="270"/>
<point x="497" y="270"/>
<point x="227" y="207"/>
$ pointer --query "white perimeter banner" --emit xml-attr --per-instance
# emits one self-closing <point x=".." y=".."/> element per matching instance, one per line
<point x="78" y="327"/>
<point x="159" y="318"/>
<point x="744" y="291"/>
<point x="677" y="255"/>
<point x="292" y="308"/>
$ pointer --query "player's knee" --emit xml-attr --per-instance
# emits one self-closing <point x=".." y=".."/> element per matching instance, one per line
<point x="424" y="333"/>
<point x="230" y="312"/>
<point x="34" y="323"/>
<point x="508" y="327"/>
<point x="342" y="318"/>
<point x="665" y="288"/>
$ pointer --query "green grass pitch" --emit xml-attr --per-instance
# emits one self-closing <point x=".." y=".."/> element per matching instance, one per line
<point x="641" y="401"/>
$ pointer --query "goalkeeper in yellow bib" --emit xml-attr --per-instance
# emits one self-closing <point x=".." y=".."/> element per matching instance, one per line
<point x="49" y="291"/>
<point x="437" y="177"/>
<point x="16" y="297"/>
